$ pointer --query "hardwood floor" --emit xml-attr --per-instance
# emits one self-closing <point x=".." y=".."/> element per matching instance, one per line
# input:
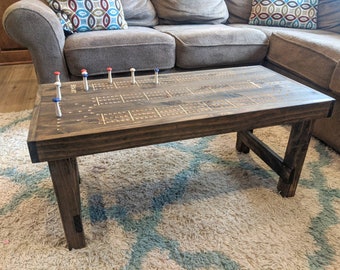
<point x="18" y="87"/>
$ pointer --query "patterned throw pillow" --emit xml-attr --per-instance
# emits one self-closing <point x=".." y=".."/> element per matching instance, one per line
<point x="88" y="15"/>
<point x="285" y="13"/>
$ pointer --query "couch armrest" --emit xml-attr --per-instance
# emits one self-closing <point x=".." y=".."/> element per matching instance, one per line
<point x="35" y="26"/>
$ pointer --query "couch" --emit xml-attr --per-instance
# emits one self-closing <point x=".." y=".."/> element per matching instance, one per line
<point x="184" y="35"/>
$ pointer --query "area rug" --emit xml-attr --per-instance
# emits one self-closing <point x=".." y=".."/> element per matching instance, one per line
<point x="194" y="204"/>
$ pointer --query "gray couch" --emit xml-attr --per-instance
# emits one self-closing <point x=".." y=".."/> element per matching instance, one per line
<point x="160" y="35"/>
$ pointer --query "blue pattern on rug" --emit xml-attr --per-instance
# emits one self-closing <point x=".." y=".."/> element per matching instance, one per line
<point x="32" y="189"/>
<point x="145" y="228"/>
<point x="147" y="237"/>
<point x="327" y="217"/>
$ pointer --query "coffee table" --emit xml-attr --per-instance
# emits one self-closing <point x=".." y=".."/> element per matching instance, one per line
<point x="180" y="106"/>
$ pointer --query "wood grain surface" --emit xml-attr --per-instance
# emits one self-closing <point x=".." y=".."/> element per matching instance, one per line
<point x="183" y="105"/>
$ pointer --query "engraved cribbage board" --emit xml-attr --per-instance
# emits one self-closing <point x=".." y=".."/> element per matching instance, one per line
<point x="177" y="98"/>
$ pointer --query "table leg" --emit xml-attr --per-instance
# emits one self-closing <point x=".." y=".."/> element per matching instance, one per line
<point x="240" y="145"/>
<point x="294" y="158"/>
<point x="65" y="178"/>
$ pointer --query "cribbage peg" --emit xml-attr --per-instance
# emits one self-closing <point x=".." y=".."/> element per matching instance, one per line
<point x="57" y="107"/>
<point x="57" y="76"/>
<point x="58" y="90"/>
<point x="133" y="78"/>
<point x="156" y="75"/>
<point x="109" y="74"/>
<point x="85" y="82"/>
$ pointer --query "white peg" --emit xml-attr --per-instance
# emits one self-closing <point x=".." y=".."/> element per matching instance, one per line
<point x="133" y="79"/>
<point x="58" y="91"/>
<point x="57" y="76"/>
<point x="156" y="75"/>
<point x="57" y="107"/>
<point x="109" y="74"/>
<point x="85" y="82"/>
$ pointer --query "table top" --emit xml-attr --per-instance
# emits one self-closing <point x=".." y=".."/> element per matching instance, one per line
<point x="242" y="97"/>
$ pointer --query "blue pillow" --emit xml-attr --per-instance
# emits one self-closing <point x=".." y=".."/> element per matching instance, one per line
<point x="89" y="15"/>
<point x="285" y="13"/>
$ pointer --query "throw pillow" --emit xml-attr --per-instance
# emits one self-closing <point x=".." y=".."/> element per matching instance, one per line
<point x="285" y="13"/>
<point x="88" y="15"/>
<point x="191" y="11"/>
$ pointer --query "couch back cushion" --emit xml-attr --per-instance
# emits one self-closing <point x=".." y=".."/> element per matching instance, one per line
<point x="139" y="13"/>
<point x="239" y="10"/>
<point x="329" y="15"/>
<point x="191" y="11"/>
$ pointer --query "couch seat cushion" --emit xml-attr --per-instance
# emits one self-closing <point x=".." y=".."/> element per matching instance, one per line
<point x="313" y="56"/>
<point x="269" y="30"/>
<point x="216" y="45"/>
<point x="335" y="80"/>
<point x="139" y="47"/>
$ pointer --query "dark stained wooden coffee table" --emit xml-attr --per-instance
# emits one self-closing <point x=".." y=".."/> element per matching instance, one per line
<point x="185" y="105"/>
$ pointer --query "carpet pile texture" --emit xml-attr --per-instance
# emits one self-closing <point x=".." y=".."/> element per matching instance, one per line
<point x="194" y="204"/>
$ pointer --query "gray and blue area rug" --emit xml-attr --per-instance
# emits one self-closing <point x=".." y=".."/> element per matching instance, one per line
<point x="195" y="204"/>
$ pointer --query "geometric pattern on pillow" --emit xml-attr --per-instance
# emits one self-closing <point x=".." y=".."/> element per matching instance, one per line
<point x="285" y="13"/>
<point x="89" y="15"/>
